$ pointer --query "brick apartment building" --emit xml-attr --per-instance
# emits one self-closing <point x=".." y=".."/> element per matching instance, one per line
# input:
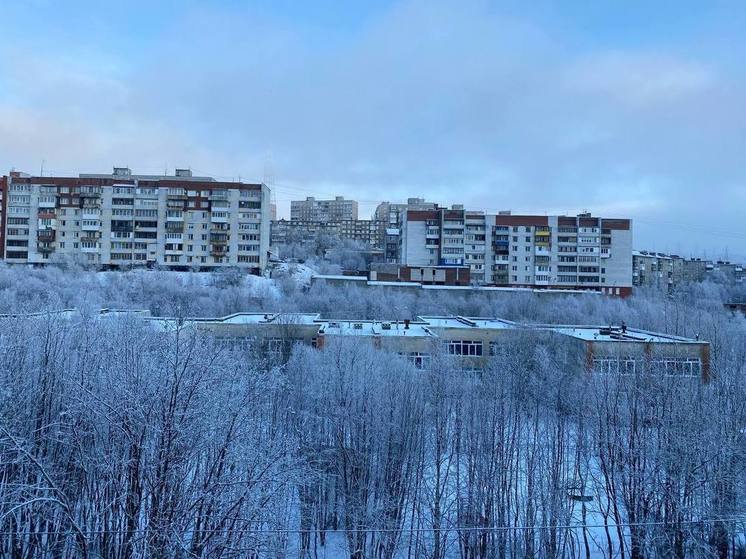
<point x="312" y="209"/>
<point x="571" y="252"/>
<point x="362" y="230"/>
<point x="121" y="219"/>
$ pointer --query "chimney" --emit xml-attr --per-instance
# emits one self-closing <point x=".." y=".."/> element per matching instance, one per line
<point x="406" y="324"/>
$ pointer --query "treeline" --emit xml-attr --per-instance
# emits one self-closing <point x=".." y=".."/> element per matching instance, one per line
<point x="691" y="310"/>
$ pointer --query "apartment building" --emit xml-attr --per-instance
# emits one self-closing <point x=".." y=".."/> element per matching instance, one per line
<point x="122" y="219"/>
<point x="3" y="200"/>
<point x="657" y="270"/>
<point x="571" y="252"/>
<point x="666" y="271"/>
<point x="362" y="230"/>
<point x="389" y="218"/>
<point x="312" y="209"/>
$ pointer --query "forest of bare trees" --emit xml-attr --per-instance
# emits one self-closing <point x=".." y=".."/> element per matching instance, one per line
<point x="121" y="441"/>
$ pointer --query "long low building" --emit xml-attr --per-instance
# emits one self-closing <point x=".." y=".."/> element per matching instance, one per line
<point x="472" y="340"/>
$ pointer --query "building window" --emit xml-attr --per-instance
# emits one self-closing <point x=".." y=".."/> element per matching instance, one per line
<point x="464" y="347"/>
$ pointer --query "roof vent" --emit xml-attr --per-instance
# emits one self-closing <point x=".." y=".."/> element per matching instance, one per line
<point x="357" y="326"/>
<point x="386" y="326"/>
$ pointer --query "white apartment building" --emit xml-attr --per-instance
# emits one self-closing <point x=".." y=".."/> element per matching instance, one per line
<point x="180" y="221"/>
<point x="312" y="209"/>
<point x="582" y="252"/>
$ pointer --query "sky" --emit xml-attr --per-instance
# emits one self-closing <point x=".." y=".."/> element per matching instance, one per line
<point x="626" y="109"/>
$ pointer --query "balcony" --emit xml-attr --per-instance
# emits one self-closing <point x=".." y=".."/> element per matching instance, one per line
<point x="89" y="195"/>
<point x="218" y="218"/>
<point x="175" y="217"/>
<point x="47" y="203"/>
<point x="542" y="250"/>
<point x="46" y="215"/>
<point x="218" y="250"/>
<point x="44" y="248"/>
<point x="218" y="237"/>
<point x="46" y="235"/>
<point x="171" y="227"/>
<point x="91" y="226"/>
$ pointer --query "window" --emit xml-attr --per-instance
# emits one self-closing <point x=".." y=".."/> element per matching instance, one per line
<point x="464" y="347"/>
<point x="419" y="359"/>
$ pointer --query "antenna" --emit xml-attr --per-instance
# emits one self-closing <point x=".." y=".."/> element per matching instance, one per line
<point x="41" y="172"/>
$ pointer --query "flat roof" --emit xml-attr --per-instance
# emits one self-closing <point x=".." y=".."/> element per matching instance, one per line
<point x="375" y="328"/>
<point x="603" y="334"/>
<point x="467" y="322"/>
<point x="333" y="277"/>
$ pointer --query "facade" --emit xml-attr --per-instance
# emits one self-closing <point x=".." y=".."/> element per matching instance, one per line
<point x="362" y="230"/>
<point x="695" y="269"/>
<point x="666" y="271"/>
<point x="657" y="270"/>
<point x="179" y="221"/>
<point x="3" y="200"/>
<point x="312" y="209"/>
<point x="582" y="252"/>
<point x="732" y="271"/>
<point x="389" y="218"/>
<point x="423" y="275"/>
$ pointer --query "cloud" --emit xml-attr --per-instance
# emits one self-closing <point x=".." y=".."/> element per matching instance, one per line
<point x="453" y="101"/>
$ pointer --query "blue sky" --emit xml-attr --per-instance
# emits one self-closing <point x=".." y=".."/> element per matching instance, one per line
<point x="624" y="108"/>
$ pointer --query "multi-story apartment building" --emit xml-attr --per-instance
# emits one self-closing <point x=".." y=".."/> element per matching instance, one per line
<point x="583" y="252"/>
<point x="3" y="200"/>
<point x="389" y="217"/>
<point x="655" y="269"/>
<point x="123" y="219"/>
<point x="362" y="230"/>
<point x="658" y="270"/>
<point x="695" y="269"/>
<point x="312" y="209"/>
<point x="733" y="272"/>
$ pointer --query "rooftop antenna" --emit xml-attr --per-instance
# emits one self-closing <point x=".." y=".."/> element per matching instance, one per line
<point x="41" y="171"/>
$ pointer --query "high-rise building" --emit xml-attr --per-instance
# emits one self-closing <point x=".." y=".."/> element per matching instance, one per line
<point x="3" y="200"/>
<point x="389" y="217"/>
<point x="583" y="252"/>
<point x="363" y="230"/>
<point x="312" y="209"/>
<point x="122" y="219"/>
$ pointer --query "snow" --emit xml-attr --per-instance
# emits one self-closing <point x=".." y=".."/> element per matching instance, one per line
<point x="593" y="333"/>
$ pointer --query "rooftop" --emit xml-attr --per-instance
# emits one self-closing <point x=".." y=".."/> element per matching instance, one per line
<point x="613" y="334"/>
<point x="464" y="322"/>
<point x="375" y="328"/>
